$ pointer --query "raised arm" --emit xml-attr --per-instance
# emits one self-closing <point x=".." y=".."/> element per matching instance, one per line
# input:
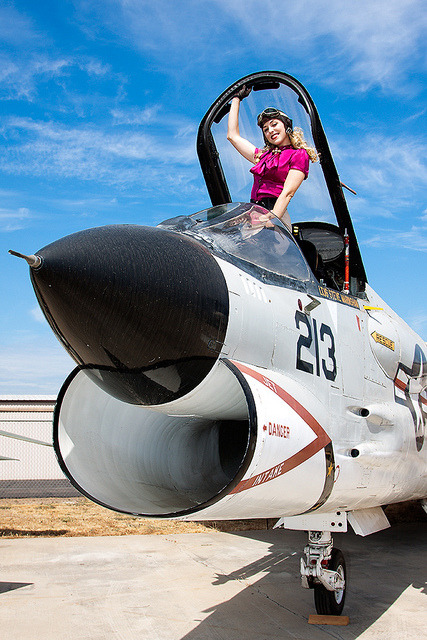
<point x="243" y="146"/>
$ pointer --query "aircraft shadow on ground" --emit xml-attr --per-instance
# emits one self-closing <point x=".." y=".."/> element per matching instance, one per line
<point x="5" y="587"/>
<point x="380" y="568"/>
<point x="31" y="533"/>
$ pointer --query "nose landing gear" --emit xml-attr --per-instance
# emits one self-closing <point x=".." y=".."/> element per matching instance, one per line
<point x="323" y="569"/>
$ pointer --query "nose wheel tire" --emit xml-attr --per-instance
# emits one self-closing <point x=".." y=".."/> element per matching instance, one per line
<point x="331" y="602"/>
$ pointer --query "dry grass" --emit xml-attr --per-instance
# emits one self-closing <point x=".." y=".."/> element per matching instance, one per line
<point x="81" y="517"/>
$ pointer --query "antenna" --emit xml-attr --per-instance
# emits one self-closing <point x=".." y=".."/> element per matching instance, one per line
<point x="33" y="261"/>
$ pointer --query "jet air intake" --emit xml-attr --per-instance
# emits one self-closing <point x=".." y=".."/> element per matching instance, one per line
<point x="151" y="422"/>
<point x="170" y="461"/>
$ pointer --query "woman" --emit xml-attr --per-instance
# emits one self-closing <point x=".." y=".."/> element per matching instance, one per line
<point x="281" y="166"/>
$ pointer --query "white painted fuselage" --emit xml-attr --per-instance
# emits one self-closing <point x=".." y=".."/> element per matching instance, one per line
<point x="334" y="373"/>
<point x="330" y="385"/>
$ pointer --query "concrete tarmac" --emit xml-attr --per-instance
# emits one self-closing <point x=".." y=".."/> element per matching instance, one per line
<point x="207" y="586"/>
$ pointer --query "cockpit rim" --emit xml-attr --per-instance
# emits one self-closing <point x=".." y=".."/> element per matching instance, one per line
<point x="181" y="224"/>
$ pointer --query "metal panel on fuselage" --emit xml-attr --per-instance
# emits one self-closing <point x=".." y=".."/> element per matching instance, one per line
<point x="291" y="470"/>
<point x="325" y="355"/>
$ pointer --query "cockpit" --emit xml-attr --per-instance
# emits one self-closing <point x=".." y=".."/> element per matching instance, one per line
<point x="247" y="235"/>
<point x="320" y="198"/>
<point x="257" y="242"/>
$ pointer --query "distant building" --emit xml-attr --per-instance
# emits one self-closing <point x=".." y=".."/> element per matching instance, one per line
<point x="32" y="470"/>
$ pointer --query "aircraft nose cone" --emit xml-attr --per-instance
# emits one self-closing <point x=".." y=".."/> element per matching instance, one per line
<point x="142" y="309"/>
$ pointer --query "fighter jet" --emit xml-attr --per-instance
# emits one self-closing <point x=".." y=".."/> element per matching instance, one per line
<point x="228" y="368"/>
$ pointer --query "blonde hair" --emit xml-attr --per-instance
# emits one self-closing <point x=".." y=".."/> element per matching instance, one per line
<point x="297" y="141"/>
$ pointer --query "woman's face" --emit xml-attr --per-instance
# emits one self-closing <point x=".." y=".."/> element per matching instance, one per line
<point x="275" y="132"/>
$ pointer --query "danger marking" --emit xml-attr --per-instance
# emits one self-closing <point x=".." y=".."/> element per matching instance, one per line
<point x="276" y="429"/>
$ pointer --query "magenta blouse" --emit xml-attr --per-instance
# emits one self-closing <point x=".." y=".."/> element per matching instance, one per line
<point x="271" y="171"/>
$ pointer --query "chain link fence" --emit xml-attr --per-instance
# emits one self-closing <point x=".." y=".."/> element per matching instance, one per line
<point x="28" y="465"/>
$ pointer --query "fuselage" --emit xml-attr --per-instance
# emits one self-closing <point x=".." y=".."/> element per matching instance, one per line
<point x="356" y="368"/>
<point x="228" y="382"/>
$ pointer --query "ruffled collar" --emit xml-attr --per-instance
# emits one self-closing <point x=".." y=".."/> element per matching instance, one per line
<point x="268" y="160"/>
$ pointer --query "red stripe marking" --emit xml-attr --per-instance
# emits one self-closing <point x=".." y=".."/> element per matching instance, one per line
<point x="298" y="458"/>
<point x="400" y="384"/>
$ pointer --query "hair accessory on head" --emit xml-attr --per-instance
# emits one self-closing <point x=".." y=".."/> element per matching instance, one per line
<point x="272" y="112"/>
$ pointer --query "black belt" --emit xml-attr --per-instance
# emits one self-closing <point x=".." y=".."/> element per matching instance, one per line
<point x="267" y="203"/>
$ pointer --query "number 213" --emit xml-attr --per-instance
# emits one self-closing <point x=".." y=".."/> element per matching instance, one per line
<point x="329" y="367"/>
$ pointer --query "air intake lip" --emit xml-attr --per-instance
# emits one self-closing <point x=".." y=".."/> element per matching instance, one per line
<point x="150" y="463"/>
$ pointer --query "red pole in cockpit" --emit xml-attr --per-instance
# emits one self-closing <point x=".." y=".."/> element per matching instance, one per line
<point x="346" y="263"/>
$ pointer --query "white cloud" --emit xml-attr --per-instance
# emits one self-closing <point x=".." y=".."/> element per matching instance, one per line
<point x="23" y="75"/>
<point x="418" y="321"/>
<point x="10" y="227"/>
<point x="21" y="78"/>
<point x="37" y="315"/>
<point x="373" y="43"/>
<point x="14" y="219"/>
<point x="17" y="29"/>
<point x="415" y="116"/>
<point x="415" y="239"/>
<point x="152" y="159"/>
<point x="95" y="67"/>
<point x="20" y="213"/>
<point x="33" y="365"/>
<point x="25" y="63"/>
<point x="401" y="159"/>
<point x="135" y="116"/>
<point x="389" y="174"/>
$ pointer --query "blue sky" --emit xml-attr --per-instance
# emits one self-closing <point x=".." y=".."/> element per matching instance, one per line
<point x="99" y="107"/>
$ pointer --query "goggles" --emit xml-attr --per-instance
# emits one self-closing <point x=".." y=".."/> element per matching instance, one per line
<point x="272" y="112"/>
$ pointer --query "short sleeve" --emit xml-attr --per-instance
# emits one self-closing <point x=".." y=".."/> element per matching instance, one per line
<point x="300" y="160"/>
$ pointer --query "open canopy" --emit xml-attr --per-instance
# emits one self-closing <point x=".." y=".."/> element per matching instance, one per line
<point x="227" y="175"/>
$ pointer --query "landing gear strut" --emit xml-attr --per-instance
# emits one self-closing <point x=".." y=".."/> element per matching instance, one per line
<point x="323" y="569"/>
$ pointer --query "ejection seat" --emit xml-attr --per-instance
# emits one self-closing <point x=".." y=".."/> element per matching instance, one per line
<point x="323" y="247"/>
